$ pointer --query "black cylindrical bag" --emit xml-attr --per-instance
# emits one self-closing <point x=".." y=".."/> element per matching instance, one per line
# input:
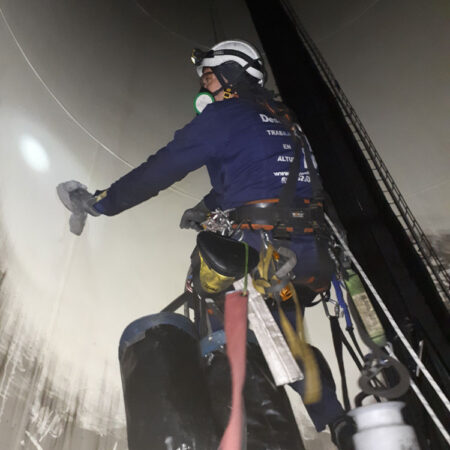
<point x="166" y="400"/>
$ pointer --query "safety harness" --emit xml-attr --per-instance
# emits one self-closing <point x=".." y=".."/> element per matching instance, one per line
<point x="284" y="217"/>
<point x="287" y="215"/>
<point x="303" y="216"/>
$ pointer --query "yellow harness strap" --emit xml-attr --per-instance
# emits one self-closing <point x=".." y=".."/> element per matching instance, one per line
<point x="295" y="339"/>
<point x="265" y="262"/>
<point x="302" y="351"/>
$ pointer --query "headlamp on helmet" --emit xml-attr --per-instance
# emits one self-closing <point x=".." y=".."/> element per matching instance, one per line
<point x="198" y="56"/>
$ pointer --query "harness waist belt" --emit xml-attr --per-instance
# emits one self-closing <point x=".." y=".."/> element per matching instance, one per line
<point x="305" y="216"/>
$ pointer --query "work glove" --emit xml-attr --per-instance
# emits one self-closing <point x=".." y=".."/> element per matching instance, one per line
<point x="76" y="198"/>
<point x="193" y="217"/>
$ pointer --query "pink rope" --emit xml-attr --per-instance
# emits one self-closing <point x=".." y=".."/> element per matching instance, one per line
<point x="236" y="333"/>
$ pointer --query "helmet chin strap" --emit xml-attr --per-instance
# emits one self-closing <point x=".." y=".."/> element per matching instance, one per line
<point x="217" y="91"/>
<point x="224" y="85"/>
<point x="226" y="94"/>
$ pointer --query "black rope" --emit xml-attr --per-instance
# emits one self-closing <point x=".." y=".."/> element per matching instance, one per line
<point x="337" y="341"/>
<point x="350" y="350"/>
<point x="351" y="332"/>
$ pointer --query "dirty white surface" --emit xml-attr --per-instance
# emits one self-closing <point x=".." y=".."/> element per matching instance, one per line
<point x="90" y="89"/>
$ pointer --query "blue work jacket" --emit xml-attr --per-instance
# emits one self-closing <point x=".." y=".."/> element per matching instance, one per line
<point x="246" y="150"/>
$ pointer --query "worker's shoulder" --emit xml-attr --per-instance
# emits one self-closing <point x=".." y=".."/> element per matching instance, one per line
<point x="231" y="106"/>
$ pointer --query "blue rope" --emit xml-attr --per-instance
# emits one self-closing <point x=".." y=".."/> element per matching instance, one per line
<point x="341" y="301"/>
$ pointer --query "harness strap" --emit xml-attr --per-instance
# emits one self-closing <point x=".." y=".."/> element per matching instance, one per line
<point x="348" y="321"/>
<point x="302" y="351"/>
<point x="342" y="304"/>
<point x="316" y="182"/>
<point x="301" y="146"/>
<point x="288" y="191"/>
<point x="344" y="340"/>
<point x="302" y="217"/>
<point x="337" y="342"/>
<point x="351" y="332"/>
<point x="350" y="350"/>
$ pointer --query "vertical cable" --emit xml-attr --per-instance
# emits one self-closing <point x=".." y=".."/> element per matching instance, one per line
<point x="211" y="13"/>
<point x="219" y="34"/>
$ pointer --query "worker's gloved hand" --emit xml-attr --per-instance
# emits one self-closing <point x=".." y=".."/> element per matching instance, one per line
<point x="79" y="201"/>
<point x="193" y="217"/>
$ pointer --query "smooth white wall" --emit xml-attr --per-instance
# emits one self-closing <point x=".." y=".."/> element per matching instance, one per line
<point x="91" y="89"/>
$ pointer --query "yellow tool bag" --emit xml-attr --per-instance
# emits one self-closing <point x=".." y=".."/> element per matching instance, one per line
<point x="219" y="261"/>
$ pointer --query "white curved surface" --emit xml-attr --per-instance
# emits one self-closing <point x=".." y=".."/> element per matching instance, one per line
<point x="66" y="300"/>
<point x="88" y="89"/>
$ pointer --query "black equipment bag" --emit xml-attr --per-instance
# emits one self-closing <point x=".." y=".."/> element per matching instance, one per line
<point x="166" y="402"/>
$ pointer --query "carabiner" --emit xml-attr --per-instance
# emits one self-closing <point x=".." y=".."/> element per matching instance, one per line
<point x="337" y="308"/>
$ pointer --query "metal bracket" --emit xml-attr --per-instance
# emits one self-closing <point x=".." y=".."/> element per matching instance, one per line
<point x="282" y="364"/>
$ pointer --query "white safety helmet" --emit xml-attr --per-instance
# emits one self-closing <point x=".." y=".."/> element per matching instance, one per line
<point x="234" y="50"/>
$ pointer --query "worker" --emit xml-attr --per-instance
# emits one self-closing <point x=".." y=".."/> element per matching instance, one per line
<point x="245" y="139"/>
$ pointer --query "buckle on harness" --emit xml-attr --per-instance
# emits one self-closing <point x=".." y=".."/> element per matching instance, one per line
<point x="280" y="231"/>
<point x="302" y="218"/>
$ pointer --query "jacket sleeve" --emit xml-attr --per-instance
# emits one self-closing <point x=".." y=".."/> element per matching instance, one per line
<point x="211" y="200"/>
<point x="192" y="147"/>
